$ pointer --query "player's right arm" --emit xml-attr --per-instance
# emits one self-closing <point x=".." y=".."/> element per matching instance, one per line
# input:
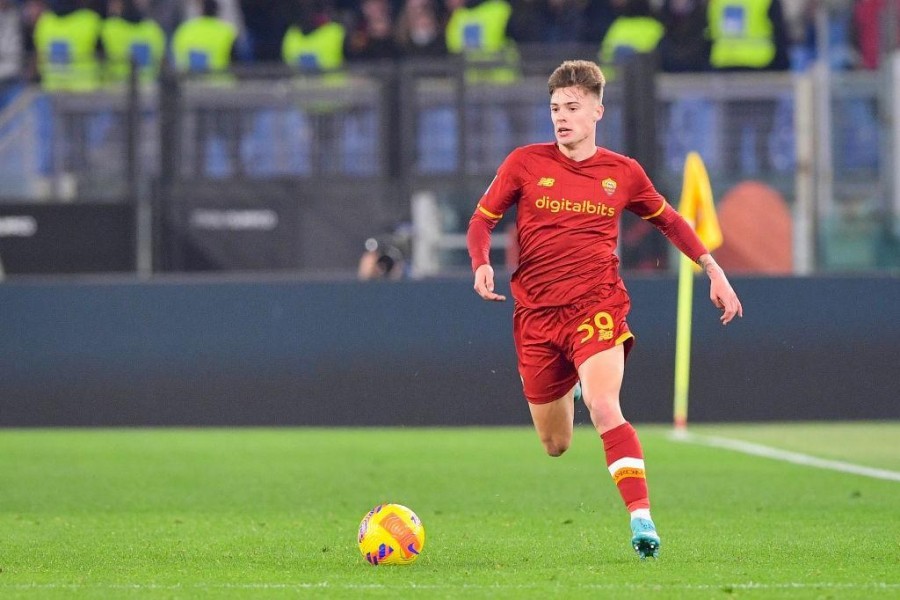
<point x="484" y="284"/>
<point x="502" y="193"/>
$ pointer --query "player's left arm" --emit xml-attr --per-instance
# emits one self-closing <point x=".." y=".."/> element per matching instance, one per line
<point x="652" y="207"/>
<point x="683" y="237"/>
<point x="721" y="293"/>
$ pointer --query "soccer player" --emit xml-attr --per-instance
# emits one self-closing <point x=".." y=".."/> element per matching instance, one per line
<point x="569" y="318"/>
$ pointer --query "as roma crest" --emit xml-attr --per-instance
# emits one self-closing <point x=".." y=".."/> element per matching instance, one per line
<point x="609" y="186"/>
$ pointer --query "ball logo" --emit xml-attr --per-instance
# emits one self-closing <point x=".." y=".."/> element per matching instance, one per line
<point x="403" y="534"/>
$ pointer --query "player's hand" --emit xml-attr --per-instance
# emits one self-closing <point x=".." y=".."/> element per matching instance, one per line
<point x="720" y="291"/>
<point x="484" y="284"/>
<point x="724" y="298"/>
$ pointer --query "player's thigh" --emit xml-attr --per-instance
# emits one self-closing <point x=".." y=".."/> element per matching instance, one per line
<point x="595" y="327"/>
<point x="600" y="340"/>
<point x="601" y="375"/>
<point x="546" y="370"/>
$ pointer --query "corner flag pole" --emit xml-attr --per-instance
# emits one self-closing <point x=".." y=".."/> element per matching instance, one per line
<point x="697" y="207"/>
<point x="683" y="340"/>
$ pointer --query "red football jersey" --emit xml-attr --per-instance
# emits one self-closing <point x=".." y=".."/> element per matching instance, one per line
<point x="567" y="219"/>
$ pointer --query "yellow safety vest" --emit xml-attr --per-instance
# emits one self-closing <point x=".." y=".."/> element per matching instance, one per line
<point x="741" y="33"/>
<point x="630" y="35"/>
<point x="479" y="35"/>
<point x="67" y="50"/>
<point x="203" y="45"/>
<point x="319" y="51"/>
<point x="144" y="42"/>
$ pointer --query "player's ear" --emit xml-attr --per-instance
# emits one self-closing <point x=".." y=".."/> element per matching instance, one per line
<point x="599" y="113"/>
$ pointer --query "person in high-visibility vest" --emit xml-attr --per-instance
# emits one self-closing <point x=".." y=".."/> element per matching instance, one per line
<point x="313" y="47"/>
<point x="131" y="38"/>
<point x="66" y="41"/>
<point x="313" y="43"/>
<point x="634" y="31"/>
<point x="477" y="31"/>
<point x="204" y="44"/>
<point x="203" y="47"/>
<point x="747" y="35"/>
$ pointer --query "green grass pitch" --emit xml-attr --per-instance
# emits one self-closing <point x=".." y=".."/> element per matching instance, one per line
<point x="273" y="513"/>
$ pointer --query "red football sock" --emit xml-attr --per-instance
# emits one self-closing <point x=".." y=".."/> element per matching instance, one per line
<point x="625" y="461"/>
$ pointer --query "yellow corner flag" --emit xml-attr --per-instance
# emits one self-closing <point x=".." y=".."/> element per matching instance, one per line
<point x="697" y="207"/>
<point x="696" y="203"/>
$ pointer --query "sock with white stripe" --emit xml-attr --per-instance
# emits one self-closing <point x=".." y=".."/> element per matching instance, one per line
<point x="625" y="460"/>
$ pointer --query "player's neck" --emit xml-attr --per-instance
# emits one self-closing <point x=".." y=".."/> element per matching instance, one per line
<point x="578" y="152"/>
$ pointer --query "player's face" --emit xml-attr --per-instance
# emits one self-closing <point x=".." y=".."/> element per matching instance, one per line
<point x="575" y="113"/>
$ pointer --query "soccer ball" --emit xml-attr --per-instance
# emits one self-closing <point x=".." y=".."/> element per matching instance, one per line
<point x="391" y="534"/>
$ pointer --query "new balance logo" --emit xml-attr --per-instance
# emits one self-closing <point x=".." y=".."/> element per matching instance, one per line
<point x="546" y="182"/>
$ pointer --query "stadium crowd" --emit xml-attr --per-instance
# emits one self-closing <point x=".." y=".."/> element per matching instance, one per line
<point x="691" y="35"/>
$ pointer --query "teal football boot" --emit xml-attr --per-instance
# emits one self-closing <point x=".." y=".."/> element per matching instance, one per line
<point x="644" y="538"/>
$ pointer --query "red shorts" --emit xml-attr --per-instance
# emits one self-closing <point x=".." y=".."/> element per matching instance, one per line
<point x="551" y="343"/>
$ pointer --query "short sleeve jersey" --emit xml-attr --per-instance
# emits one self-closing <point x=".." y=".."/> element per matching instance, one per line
<point x="567" y="218"/>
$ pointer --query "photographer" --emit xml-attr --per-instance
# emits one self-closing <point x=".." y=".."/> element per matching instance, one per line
<point x="383" y="258"/>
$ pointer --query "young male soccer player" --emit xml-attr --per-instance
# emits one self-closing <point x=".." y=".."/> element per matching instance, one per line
<point x="570" y="303"/>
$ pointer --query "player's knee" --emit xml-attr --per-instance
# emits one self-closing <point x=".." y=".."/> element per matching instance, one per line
<point x="605" y="410"/>
<point x="555" y="446"/>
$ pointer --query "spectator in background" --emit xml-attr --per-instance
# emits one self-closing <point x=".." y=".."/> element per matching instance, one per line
<point x="314" y="45"/>
<point x="11" y="51"/>
<point x="230" y="12"/>
<point x="66" y="41"/>
<point x="869" y="24"/>
<point x="372" y="34"/>
<point x="685" y="45"/>
<point x="314" y="41"/>
<point x="634" y="31"/>
<point x="128" y="36"/>
<point x="419" y="30"/>
<point x="204" y="47"/>
<point x="478" y="32"/>
<point x="747" y="35"/>
<point x="204" y="44"/>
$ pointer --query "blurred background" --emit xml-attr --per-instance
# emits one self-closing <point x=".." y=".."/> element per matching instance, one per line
<point x="194" y="195"/>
